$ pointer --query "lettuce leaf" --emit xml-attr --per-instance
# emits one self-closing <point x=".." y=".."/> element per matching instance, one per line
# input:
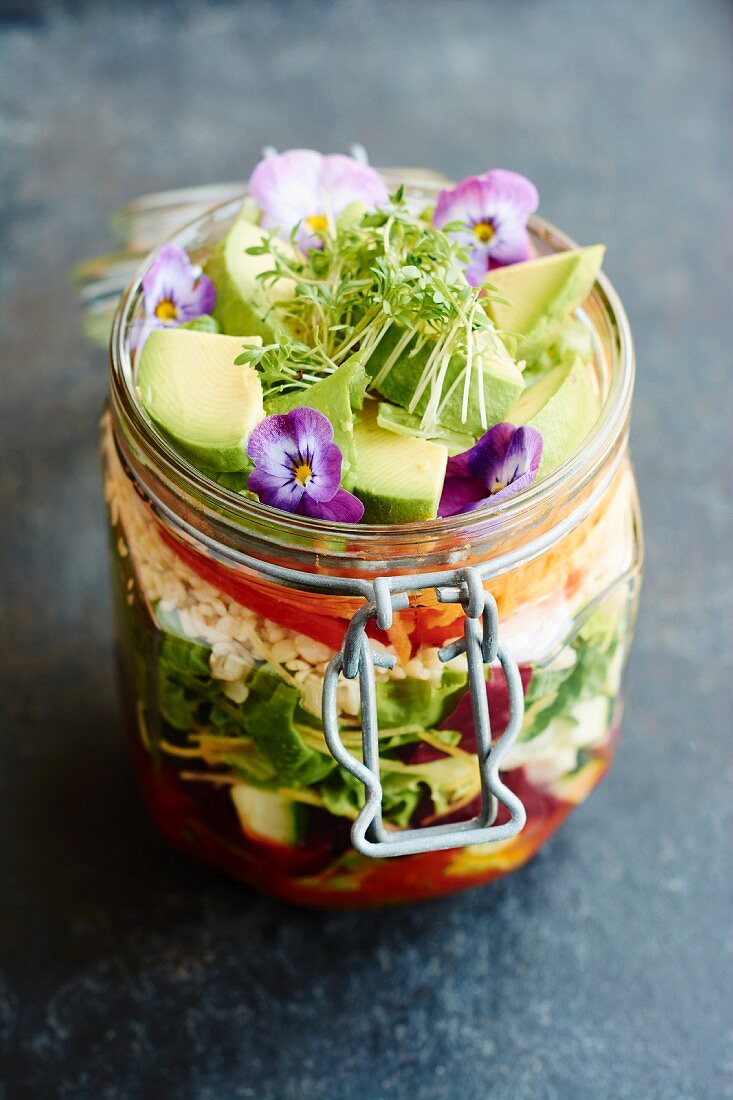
<point x="553" y="692"/>
<point x="337" y="397"/>
<point x="270" y="724"/>
<point x="412" y="702"/>
<point x="263" y="737"/>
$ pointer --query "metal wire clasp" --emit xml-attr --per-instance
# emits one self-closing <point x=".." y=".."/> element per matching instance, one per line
<point x="480" y="643"/>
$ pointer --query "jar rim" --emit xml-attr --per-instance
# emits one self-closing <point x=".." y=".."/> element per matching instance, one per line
<point x="239" y="512"/>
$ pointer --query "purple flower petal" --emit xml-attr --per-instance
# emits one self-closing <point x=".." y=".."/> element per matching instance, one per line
<point x="326" y="476"/>
<point x="513" y="487"/>
<point x="478" y="266"/>
<point x="174" y="290"/>
<point x="495" y="208"/>
<point x="485" y="460"/>
<point x="346" y="180"/>
<point x="461" y="490"/>
<point x="523" y="456"/>
<point x="286" y="188"/>
<point x="343" y="507"/>
<point x="280" y="492"/>
<point x="301" y="188"/>
<point x="513" y="199"/>
<point x="198" y="299"/>
<point x="273" y="445"/>
<point x="465" y="203"/>
<point x="504" y="455"/>
<point x="461" y="494"/>
<point x="313" y="433"/>
<point x="297" y="464"/>
<point x="311" y="428"/>
<point x="140" y="329"/>
<point x="503" y="462"/>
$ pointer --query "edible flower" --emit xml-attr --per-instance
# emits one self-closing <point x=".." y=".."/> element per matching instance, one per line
<point x="303" y="190"/>
<point x="503" y="462"/>
<point x="494" y="209"/>
<point x="298" y="467"/>
<point x="174" y="290"/>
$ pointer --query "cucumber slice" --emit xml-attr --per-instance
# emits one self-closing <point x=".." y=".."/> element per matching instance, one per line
<point x="267" y="816"/>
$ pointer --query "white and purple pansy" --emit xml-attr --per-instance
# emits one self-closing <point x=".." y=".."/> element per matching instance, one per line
<point x="298" y="467"/>
<point x="494" y="209"/>
<point x="503" y="462"/>
<point x="306" y="191"/>
<point x="174" y="291"/>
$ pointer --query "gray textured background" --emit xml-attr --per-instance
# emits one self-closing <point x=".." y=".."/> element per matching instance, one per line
<point x="604" y="968"/>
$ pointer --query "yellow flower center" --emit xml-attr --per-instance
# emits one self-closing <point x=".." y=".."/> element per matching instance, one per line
<point x="303" y="473"/>
<point x="484" y="231"/>
<point x="166" y="310"/>
<point x="318" y="223"/>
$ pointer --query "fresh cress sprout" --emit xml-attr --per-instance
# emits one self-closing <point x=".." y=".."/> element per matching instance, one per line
<point x="374" y="271"/>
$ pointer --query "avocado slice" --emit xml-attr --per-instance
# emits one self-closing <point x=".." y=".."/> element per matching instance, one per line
<point x="564" y="405"/>
<point x="193" y="390"/>
<point x="541" y="294"/>
<point x="502" y="381"/>
<point x="394" y="419"/>
<point x="336" y="396"/>
<point x="243" y="302"/>
<point x="397" y="478"/>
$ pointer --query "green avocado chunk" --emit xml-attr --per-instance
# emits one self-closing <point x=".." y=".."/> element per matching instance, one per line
<point x="398" y="478"/>
<point x="244" y="302"/>
<point x="193" y="390"/>
<point x="203" y="323"/>
<point x="564" y="405"/>
<point x="574" y="341"/>
<point x="541" y="294"/>
<point x="502" y="381"/>
<point x="336" y="397"/>
<point x="394" y="419"/>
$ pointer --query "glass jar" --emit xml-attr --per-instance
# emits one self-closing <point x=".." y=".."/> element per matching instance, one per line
<point x="229" y="612"/>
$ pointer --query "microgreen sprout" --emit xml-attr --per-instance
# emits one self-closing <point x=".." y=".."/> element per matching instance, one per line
<point x="375" y="270"/>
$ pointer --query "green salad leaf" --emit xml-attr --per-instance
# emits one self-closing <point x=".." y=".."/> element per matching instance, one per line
<point x="418" y="703"/>
<point x="269" y="722"/>
<point x="553" y="691"/>
<point x="337" y="397"/>
<point x="266" y="741"/>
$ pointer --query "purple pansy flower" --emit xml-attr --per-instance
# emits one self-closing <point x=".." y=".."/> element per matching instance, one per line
<point x="298" y="467"/>
<point x="494" y="207"/>
<point x="174" y="291"/>
<point x="305" y="189"/>
<point x="503" y="462"/>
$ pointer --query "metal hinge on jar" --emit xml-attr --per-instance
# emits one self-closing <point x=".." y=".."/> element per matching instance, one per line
<point x="480" y="643"/>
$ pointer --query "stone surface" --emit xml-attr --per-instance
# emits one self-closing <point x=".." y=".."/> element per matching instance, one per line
<point x="604" y="968"/>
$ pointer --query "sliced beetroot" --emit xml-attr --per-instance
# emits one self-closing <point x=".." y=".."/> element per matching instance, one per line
<point x="540" y="805"/>
<point x="462" y="720"/>
<point x="498" y="696"/>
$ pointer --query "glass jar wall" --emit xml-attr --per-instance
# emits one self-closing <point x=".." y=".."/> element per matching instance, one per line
<point x="222" y="667"/>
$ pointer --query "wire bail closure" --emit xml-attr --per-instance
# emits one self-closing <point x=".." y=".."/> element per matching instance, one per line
<point x="480" y="643"/>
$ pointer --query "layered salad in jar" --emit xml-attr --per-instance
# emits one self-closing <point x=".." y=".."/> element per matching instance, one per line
<point x="365" y="358"/>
